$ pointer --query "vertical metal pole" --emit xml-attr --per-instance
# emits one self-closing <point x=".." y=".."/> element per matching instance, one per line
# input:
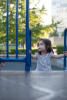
<point x="27" y="68"/>
<point x="7" y="44"/>
<point x="30" y="46"/>
<point x="16" y="28"/>
<point x="65" y="32"/>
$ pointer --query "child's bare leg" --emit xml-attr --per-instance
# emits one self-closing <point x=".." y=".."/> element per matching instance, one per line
<point x="1" y="65"/>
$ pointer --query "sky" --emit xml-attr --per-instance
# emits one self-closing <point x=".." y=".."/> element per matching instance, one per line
<point x="47" y="4"/>
<point x="47" y="18"/>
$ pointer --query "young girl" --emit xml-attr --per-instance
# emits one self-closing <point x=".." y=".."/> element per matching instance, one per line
<point x="1" y="65"/>
<point x="44" y="55"/>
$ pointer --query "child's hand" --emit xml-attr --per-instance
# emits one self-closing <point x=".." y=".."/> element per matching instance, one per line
<point x="1" y="65"/>
<point x="30" y="51"/>
<point x="65" y="53"/>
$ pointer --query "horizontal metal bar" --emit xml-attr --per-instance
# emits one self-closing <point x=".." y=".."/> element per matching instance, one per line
<point x="13" y="59"/>
<point x="11" y="55"/>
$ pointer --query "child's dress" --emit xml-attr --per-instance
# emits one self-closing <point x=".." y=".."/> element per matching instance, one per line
<point x="44" y="62"/>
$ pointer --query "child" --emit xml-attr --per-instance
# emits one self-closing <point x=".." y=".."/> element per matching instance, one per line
<point x="1" y="65"/>
<point x="45" y="53"/>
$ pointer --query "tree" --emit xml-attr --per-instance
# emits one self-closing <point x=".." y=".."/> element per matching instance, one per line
<point x="54" y="26"/>
<point x="38" y="30"/>
<point x="35" y="21"/>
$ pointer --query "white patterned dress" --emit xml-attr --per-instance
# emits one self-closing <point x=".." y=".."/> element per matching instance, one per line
<point x="44" y="62"/>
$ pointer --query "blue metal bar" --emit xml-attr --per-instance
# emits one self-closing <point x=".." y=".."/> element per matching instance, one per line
<point x="27" y="68"/>
<point x="65" y="32"/>
<point x="13" y="59"/>
<point x="7" y="44"/>
<point x="27" y="59"/>
<point x="16" y="28"/>
<point x="30" y="46"/>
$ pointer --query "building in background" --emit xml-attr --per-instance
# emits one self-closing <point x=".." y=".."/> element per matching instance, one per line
<point x="56" y="9"/>
<point x="59" y="13"/>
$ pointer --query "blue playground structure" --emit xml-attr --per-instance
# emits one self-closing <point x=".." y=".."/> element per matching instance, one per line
<point x="27" y="59"/>
<point x="22" y="85"/>
<point x="65" y="48"/>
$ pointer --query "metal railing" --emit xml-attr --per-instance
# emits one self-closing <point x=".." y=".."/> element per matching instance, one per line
<point x="26" y="59"/>
<point x="65" y="46"/>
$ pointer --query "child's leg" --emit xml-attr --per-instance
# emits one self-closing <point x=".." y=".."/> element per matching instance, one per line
<point x="1" y="64"/>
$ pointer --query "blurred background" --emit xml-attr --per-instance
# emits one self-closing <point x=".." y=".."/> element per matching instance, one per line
<point x="48" y="19"/>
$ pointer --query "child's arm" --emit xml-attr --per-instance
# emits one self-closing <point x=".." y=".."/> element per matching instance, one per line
<point x="33" y="56"/>
<point x="59" y="56"/>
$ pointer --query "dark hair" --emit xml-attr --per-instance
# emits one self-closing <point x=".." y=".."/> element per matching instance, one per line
<point x="48" y="45"/>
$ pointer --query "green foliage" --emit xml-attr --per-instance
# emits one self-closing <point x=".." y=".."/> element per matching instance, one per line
<point x="12" y="50"/>
<point x="20" y="51"/>
<point x="54" y="27"/>
<point x="60" y="49"/>
<point x="53" y="34"/>
<point x="35" y="20"/>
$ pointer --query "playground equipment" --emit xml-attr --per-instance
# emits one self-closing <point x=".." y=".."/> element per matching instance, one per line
<point x="65" y="48"/>
<point x="27" y="59"/>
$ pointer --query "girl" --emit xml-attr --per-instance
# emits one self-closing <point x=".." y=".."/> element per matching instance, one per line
<point x="45" y="53"/>
<point x="1" y="65"/>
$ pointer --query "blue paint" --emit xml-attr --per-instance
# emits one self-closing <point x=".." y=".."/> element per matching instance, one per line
<point x="16" y="28"/>
<point x="65" y="33"/>
<point x="27" y="59"/>
<point x="7" y="44"/>
<point x="30" y="47"/>
<point x="27" y="68"/>
<point x="13" y="59"/>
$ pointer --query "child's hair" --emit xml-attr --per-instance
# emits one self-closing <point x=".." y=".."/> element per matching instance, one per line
<point x="48" y="45"/>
